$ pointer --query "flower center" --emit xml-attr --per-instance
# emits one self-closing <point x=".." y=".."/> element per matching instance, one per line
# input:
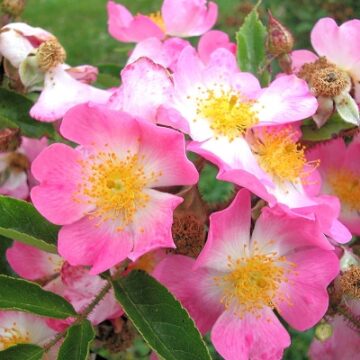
<point x="50" y="54"/>
<point x="158" y="20"/>
<point x="253" y="282"/>
<point x="324" y="78"/>
<point x="229" y="113"/>
<point x="346" y="186"/>
<point x="12" y="336"/>
<point x="115" y="186"/>
<point x="281" y="156"/>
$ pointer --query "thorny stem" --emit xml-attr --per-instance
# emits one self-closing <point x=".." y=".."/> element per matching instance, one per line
<point x="80" y="316"/>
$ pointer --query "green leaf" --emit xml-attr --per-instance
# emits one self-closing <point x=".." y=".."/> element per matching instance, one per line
<point x="331" y="128"/>
<point x="19" y="220"/>
<point x="19" y="294"/>
<point x="76" y="345"/>
<point x="14" y="112"/>
<point x="250" y="41"/>
<point x="22" y="352"/>
<point x="212" y="190"/>
<point x="160" y="318"/>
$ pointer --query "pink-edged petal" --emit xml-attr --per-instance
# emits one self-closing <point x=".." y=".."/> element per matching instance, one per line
<point x="338" y="43"/>
<point x="301" y="57"/>
<point x="89" y="242"/>
<point x="282" y="232"/>
<point x="24" y="325"/>
<point x="228" y="234"/>
<point x="287" y="99"/>
<point x="191" y="288"/>
<point x="127" y="28"/>
<point x="92" y="125"/>
<point x="306" y="288"/>
<point x="352" y="156"/>
<point x="250" y="337"/>
<point x="163" y="53"/>
<point x="139" y="78"/>
<point x="87" y="74"/>
<point x="172" y="118"/>
<point x="32" y="263"/>
<point x="151" y="226"/>
<point x="58" y="170"/>
<point x="188" y="70"/>
<point x="213" y="40"/>
<point x="163" y="150"/>
<point x="61" y="92"/>
<point x="188" y="17"/>
<point x="32" y="147"/>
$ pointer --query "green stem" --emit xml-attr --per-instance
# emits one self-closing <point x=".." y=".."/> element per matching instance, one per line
<point x="81" y="316"/>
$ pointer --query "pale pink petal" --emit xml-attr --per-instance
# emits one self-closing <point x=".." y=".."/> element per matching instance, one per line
<point x="143" y="77"/>
<point x="87" y="74"/>
<point x="301" y="57"/>
<point x="228" y="234"/>
<point x="282" y="232"/>
<point x="125" y="27"/>
<point x="188" y="17"/>
<point x="287" y="99"/>
<point x="92" y="125"/>
<point x="151" y="226"/>
<point x="14" y="46"/>
<point x="251" y="337"/>
<point x="15" y="185"/>
<point x="58" y="170"/>
<point x="213" y="40"/>
<point x="31" y="263"/>
<point x="32" y="147"/>
<point x="338" y="43"/>
<point x="26" y="326"/>
<point x="191" y="288"/>
<point x="89" y="242"/>
<point x="163" y="53"/>
<point x="163" y="150"/>
<point x="172" y="118"/>
<point x="306" y="288"/>
<point x="61" y="92"/>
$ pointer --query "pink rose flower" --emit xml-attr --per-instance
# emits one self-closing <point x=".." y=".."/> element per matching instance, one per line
<point x="102" y="191"/>
<point x="237" y="280"/>
<point x="181" y="18"/>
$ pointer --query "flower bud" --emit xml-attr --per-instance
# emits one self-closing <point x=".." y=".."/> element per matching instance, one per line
<point x="323" y="331"/>
<point x="10" y="139"/>
<point x="280" y="40"/>
<point x="13" y="7"/>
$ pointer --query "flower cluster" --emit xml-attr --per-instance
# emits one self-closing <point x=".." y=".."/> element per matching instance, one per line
<point x="121" y="179"/>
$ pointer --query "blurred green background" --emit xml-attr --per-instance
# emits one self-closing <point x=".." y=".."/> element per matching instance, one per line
<point x="81" y="26"/>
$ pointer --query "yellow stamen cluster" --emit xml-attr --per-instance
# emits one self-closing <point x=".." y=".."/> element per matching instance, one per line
<point x="158" y="20"/>
<point x="253" y="282"/>
<point x="12" y="336"/>
<point x="50" y="54"/>
<point x="114" y="186"/>
<point x="229" y="113"/>
<point x="346" y="186"/>
<point x="281" y="156"/>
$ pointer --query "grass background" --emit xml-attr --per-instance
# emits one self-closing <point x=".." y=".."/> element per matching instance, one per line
<point x="81" y="26"/>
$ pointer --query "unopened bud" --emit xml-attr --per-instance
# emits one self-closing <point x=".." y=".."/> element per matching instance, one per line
<point x="323" y="331"/>
<point x="13" y="7"/>
<point x="50" y="54"/>
<point x="10" y="139"/>
<point x="280" y="40"/>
